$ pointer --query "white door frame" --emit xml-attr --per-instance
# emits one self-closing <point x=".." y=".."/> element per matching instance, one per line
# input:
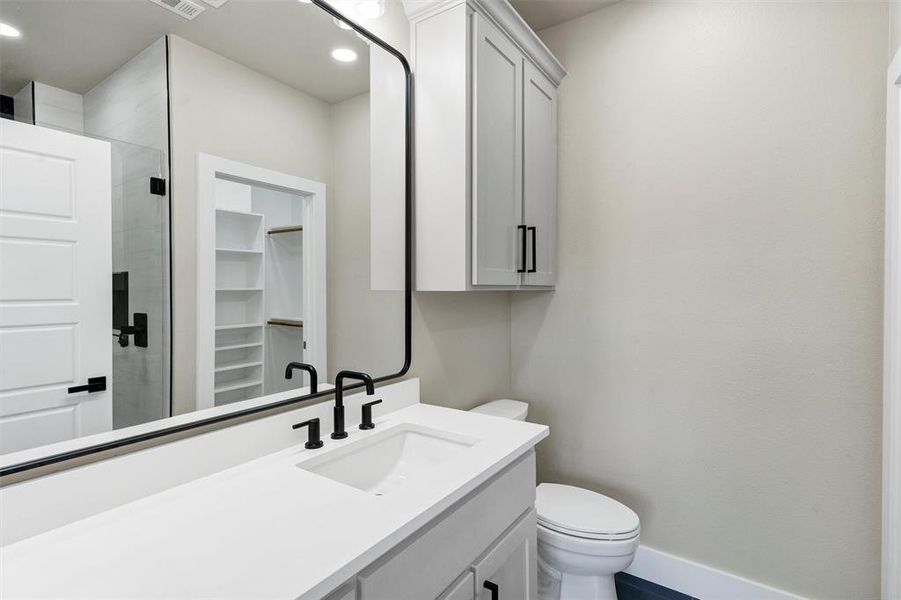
<point x="209" y="168"/>
<point x="891" y="463"/>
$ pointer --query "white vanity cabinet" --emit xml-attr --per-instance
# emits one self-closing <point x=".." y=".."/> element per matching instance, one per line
<point x="490" y="535"/>
<point x="486" y="148"/>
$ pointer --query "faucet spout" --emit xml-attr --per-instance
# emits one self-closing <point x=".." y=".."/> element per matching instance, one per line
<point x="339" y="433"/>
<point x="314" y="377"/>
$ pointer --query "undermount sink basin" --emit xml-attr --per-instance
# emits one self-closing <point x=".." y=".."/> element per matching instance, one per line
<point x="382" y="462"/>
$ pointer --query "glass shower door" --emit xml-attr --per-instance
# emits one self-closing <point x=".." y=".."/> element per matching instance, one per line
<point x="140" y="298"/>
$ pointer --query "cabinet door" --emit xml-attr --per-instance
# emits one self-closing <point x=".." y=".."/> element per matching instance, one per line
<point x="539" y="176"/>
<point x="509" y="569"/>
<point x="497" y="156"/>
<point x="462" y="589"/>
<point x="345" y="592"/>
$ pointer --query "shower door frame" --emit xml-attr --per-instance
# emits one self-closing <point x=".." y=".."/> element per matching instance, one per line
<point x="891" y="464"/>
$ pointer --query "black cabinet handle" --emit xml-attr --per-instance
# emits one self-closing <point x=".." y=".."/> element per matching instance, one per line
<point x="94" y="384"/>
<point x="367" y="414"/>
<point x="534" y="231"/>
<point x="522" y="229"/>
<point x="493" y="588"/>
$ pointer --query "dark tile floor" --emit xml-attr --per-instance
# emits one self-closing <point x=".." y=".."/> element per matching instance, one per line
<point x="629" y="587"/>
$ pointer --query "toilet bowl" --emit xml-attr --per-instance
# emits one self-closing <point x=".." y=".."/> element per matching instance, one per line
<point x="584" y="538"/>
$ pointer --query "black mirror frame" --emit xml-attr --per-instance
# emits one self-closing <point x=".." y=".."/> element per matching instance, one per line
<point x="408" y="285"/>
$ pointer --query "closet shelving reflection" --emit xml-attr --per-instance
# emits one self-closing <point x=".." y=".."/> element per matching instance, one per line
<point x="259" y="293"/>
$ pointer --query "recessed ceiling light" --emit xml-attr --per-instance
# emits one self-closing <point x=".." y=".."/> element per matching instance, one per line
<point x="370" y="9"/>
<point x="306" y="1"/>
<point x="344" y="55"/>
<point x="9" y="31"/>
<point x="341" y="23"/>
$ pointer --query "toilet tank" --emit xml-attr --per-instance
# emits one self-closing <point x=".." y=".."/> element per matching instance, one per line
<point x="509" y="409"/>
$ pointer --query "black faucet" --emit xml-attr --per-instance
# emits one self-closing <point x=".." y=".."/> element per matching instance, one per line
<point x="314" y="378"/>
<point x="339" y="433"/>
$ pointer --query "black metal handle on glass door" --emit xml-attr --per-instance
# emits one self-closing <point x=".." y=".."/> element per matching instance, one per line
<point x="522" y="230"/>
<point x="534" y="231"/>
<point x="493" y="588"/>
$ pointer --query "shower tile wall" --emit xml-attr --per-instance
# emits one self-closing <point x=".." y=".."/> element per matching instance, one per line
<point x="132" y="105"/>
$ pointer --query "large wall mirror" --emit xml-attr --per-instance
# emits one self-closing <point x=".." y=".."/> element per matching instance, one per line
<point x="193" y="195"/>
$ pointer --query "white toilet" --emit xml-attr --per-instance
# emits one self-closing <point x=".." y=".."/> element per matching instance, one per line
<point x="584" y="538"/>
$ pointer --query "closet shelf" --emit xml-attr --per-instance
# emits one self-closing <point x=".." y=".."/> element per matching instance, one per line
<point x="240" y="289"/>
<point x="237" y="251"/>
<point x="285" y="322"/>
<point x="239" y="384"/>
<point x="238" y="326"/>
<point x="289" y="229"/>
<point x="237" y="365"/>
<point x="239" y="213"/>
<point x="239" y="346"/>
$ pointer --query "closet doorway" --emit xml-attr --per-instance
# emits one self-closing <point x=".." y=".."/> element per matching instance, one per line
<point x="261" y="280"/>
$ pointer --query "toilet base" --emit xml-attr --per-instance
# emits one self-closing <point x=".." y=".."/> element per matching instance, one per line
<point x="587" y="587"/>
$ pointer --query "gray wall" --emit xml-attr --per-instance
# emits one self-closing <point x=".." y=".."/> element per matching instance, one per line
<point x="365" y="327"/>
<point x="895" y="28"/>
<point x="712" y="354"/>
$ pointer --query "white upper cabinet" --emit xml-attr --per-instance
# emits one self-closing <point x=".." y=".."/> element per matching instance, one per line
<point x="539" y="190"/>
<point x="497" y="156"/>
<point x="486" y="148"/>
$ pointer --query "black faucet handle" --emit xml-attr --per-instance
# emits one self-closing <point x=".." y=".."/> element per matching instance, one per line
<point x="313" y="439"/>
<point x="367" y="414"/>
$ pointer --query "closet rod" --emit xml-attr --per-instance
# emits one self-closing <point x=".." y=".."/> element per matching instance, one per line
<point x="291" y="229"/>
<point x="285" y="322"/>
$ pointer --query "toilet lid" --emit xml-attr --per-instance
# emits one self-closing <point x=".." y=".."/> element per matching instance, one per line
<point x="583" y="513"/>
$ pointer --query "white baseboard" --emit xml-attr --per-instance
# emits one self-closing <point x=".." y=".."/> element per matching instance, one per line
<point x="699" y="580"/>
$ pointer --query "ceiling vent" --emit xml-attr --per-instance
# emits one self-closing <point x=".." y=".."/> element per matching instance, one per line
<point x="183" y="8"/>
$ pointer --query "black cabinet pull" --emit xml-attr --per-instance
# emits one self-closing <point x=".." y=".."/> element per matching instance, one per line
<point x="94" y="384"/>
<point x="493" y="588"/>
<point x="534" y="231"/>
<point x="522" y="229"/>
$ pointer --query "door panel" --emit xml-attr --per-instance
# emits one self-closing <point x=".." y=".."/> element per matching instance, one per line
<point x="540" y="176"/>
<point x="56" y="274"/>
<point x="497" y="161"/>
<point x="463" y="589"/>
<point x="510" y="564"/>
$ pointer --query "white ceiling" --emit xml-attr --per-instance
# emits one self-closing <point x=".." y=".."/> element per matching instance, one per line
<point x="540" y="14"/>
<point x="75" y="44"/>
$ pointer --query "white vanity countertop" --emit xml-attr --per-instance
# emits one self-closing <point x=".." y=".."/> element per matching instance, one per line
<point x="263" y="529"/>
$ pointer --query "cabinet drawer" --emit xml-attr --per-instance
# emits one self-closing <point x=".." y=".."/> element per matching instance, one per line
<point x="510" y="564"/>
<point x="425" y="567"/>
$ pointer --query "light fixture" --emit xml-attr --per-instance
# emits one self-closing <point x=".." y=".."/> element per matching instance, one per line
<point x="344" y="55"/>
<point x="306" y="1"/>
<point x="9" y="31"/>
<point x="341" y="24"/>
<point x="369" y="9"/>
